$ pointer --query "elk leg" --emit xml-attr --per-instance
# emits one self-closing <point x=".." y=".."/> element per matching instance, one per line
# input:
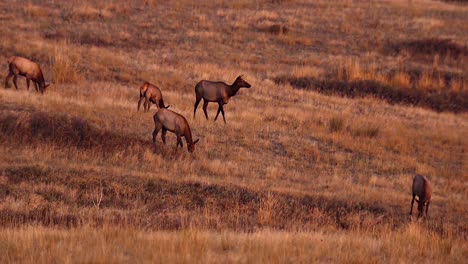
<point x="149" y="103"/>
<point x="217" y="113"/>
<point x="412" y="203"/>
<point x="27" y="83"/>
<point x="155" y="103"/>
<point x="15" y="78"/>
<point x="36" y="85"/>
<point x="195" y="106"/>
<point x="155" y="133"/>
<point x="146" y="105"/>
<point x="222" y="112"/>
<point x="163" y="135"/>
<point x="139" y="102"/>
<point x="7" y="79"/>
<point x="205" y="105"/>
<point x="220" y="109"/>
<point x="179" y="141"/>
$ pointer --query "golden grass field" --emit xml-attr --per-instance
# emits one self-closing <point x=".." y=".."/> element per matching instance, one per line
<point x="349" y="100"/>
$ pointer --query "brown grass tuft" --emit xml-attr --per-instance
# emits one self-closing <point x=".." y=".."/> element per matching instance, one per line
<point x="336" y="124"/>
<point x="65" y="66"/>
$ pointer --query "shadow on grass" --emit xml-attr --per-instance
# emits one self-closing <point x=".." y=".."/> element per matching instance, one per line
<point x="62" y="130"/>
<point x="439" y="101"/>
<point x="427" y="47"/>
<point x="161" y="204"/>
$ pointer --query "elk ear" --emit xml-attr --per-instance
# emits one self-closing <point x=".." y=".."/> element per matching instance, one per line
<point x="196" y="141"/>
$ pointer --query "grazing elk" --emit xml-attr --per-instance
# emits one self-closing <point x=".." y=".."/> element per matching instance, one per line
<point x="168" y="120"/>
<point x="151" y="94"/>
<point x="219" y="92"/>
<point x="30" y="70"/>
<point x="422" y="189"/>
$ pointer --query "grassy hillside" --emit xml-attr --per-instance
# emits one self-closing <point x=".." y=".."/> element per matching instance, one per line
<point x="348" y="101"/>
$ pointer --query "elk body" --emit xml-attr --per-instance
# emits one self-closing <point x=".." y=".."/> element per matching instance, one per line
<point x="29" y="69"/>
<point x="151" y="94"/>
<point x="422" y="189"/>
<point x="218" y="92"/>
<point x="167" y="120"/>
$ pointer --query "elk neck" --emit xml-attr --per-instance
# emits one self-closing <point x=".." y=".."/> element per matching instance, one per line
<point x="233" y="89"/>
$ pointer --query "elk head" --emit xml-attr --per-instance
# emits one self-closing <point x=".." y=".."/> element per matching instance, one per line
<point x="241" y="82"/>
<point x="44" y="87"/>
<point x="191" y="146"/>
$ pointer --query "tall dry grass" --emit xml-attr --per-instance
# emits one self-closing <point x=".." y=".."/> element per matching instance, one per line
<point x="412" y="244"/>
<point x="65" y="65"/>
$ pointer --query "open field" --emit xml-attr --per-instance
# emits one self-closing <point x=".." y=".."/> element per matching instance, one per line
<point x="349" y="99"/>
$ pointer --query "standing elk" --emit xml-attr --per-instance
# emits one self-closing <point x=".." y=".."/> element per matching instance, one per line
<point x="168" y="120"/>
<point x="422" y="189"/>
<point x="219" y="92"/>
<point x="29" y="69"/>
<point x="151" y="94"/>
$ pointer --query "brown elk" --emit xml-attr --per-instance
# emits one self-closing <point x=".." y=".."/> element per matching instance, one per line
<point x="29" y="69"/>
<point x="151" y="94"/>
<point x="422" y="189"/>
<point x="168" y="120"/>
<point x="219" y="92"/>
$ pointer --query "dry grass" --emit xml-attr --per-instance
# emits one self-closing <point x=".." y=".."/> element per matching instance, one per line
<point x="321" y="173"/>
<point x="412" y="244"/>
<point x="65" y="65"/>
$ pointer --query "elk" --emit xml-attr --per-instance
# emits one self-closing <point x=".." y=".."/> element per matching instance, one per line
<point x="29" y="69"/>
<point x="422" y="189"/>
<point x="219" y="92"/>
<point x="168" y="120"/>
<point x="151" y="94"/>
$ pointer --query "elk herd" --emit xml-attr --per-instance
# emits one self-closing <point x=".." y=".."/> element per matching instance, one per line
<point x="167" y="120"/>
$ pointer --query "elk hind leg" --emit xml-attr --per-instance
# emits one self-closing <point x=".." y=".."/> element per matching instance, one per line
<point x="195" y="106"/>
<point x="139" y="102"/>
<point x="146" y="105"/>
<point x="205" y="105"/>
<point x="163" y="135"/>
<point x="155" y="132"/>
<point x="15" y="79"/>
<point x="412" y="203"/>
